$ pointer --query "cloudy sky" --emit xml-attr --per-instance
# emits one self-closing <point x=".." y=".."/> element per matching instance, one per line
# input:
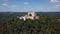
<point x="29" y="5"/>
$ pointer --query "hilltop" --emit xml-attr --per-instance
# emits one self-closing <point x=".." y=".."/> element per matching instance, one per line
<point x="12" y="25"/>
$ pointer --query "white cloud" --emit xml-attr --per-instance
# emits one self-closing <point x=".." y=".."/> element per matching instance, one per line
<point x="26" y="3"/>
<point x="13" y="6"/>
<point x="54" y="8"/>
<point x="4" y="8"/>
<point x="4" y="4"/>
<point x="54" y="1"/>
<point x="57" y="6"/>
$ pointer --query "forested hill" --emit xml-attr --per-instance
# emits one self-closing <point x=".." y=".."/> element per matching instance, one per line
<point x="46" y="24"/>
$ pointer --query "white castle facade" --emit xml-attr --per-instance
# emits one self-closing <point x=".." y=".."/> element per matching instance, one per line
<point x="30" y="15"/>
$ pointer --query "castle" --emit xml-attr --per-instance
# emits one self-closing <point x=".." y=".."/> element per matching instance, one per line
<point x="30" y="15"/>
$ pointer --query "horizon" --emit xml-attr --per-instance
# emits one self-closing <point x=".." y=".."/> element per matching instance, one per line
<point x="29" y="11"/>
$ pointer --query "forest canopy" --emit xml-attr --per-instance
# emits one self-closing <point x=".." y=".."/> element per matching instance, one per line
<point x="44" y="25"/>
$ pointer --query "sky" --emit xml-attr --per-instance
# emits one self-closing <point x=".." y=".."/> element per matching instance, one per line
<point x="29" y="5"/>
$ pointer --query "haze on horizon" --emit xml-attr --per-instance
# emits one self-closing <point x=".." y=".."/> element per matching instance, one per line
<point x="29" y="5"/>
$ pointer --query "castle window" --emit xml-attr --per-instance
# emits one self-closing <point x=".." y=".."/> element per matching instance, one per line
<point x="30" y="14"/>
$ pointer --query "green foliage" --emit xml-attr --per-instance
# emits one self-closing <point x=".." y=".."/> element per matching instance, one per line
<point x="45" y="25"/>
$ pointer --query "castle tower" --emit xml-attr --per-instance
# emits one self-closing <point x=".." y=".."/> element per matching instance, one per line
<point x="32" y="14"/>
